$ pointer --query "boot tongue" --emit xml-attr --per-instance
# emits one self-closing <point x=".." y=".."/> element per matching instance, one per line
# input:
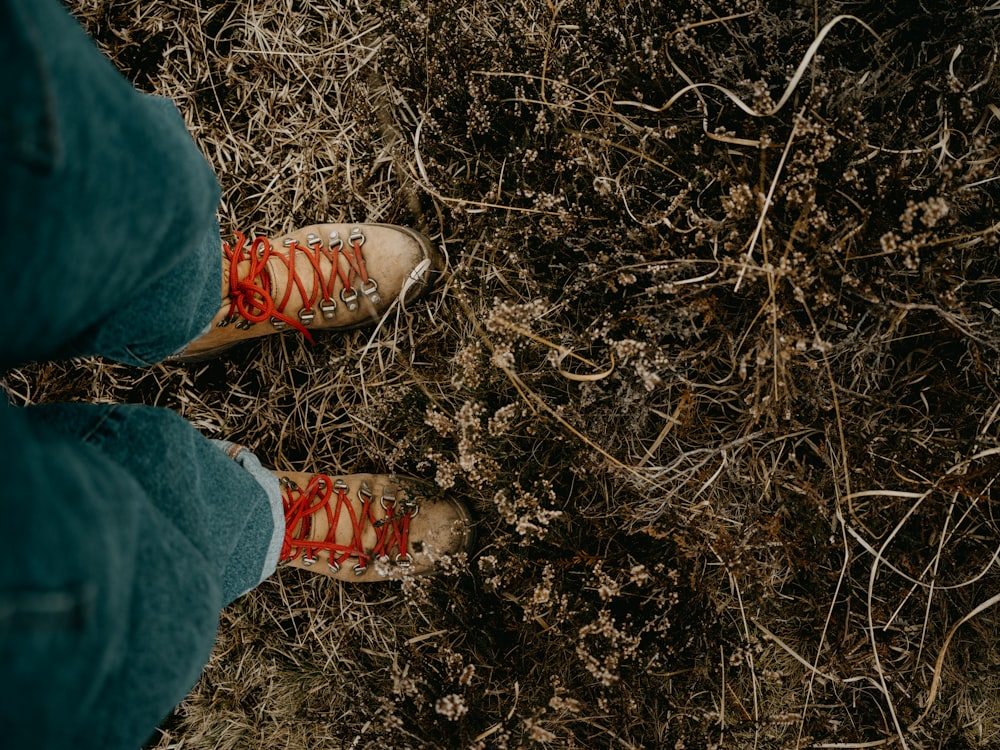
<point x="353" y="304"/>
<point x="319" y="522"/>
<point x="277" y="272"/>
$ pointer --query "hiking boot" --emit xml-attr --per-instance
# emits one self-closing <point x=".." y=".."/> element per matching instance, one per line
<point x="322" y="277"/>
<point x="369" y="527"/>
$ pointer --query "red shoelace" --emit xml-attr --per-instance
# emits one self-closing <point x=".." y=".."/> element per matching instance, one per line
<point x="252" y="296"/>
<point x="331" y="496"/>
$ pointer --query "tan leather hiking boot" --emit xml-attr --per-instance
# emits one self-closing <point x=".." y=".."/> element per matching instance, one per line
<point x="369" y="527"/>
<point x="320" y="277"/>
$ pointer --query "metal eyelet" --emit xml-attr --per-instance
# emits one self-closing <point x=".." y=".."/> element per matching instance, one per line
<point x="306" y="316"/>
<point x="244" y="325"/>
<point x="313" y="239"/>
<point x="333" y="565"/>
<point x="350" y="299"/>
<point x="278" y="324"/>
<point x="360" y="570"/>
<point x="388" y="497"/>
<point x="328" y="308"/>
<point x="404" y="560"/>
<point x="307" y="560"/>
<point x="356" y="236"/>
<point x="370" y="289"/>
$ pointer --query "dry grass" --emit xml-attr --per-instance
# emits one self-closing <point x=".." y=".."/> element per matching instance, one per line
<point x="715" y="364"/>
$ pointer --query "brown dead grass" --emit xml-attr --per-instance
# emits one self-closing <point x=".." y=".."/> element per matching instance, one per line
<point x="715" y="364"/>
